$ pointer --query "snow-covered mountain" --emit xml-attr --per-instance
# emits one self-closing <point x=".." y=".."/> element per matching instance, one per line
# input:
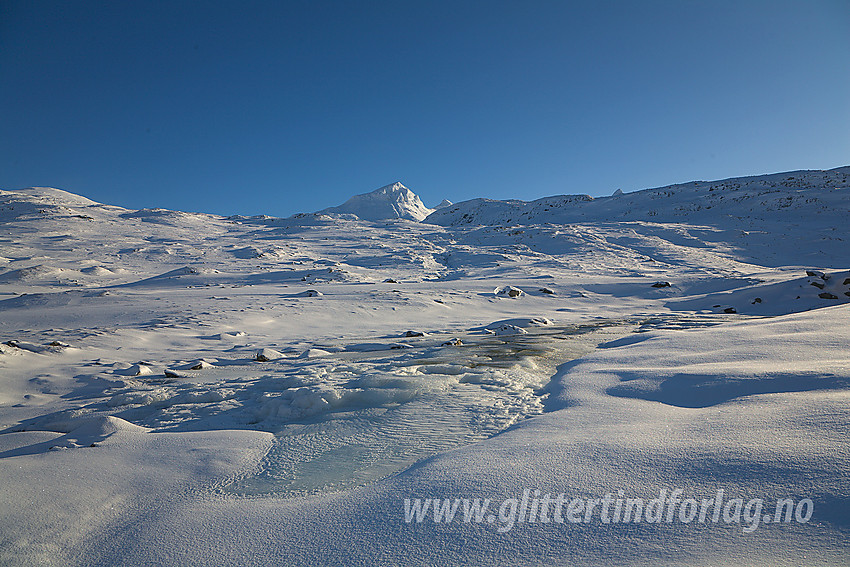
<point x="389" y="202"/>
<point x="787" y="197"/>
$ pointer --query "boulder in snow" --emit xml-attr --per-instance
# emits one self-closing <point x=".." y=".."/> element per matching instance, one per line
<point x="508" y="291"/>
<point x="267" y="355"/>
<point x="507" y="329"/>
<point x="309" y="293"/>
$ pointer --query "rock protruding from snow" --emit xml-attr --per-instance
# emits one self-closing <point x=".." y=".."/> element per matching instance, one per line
<point x="509" y="291"/>
<point x="507" y="329"/>
<point x="389" y="202"/>
<point x="268" y="355"/>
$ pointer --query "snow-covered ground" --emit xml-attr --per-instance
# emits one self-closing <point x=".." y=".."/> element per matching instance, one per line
<point x="182" y="388"/>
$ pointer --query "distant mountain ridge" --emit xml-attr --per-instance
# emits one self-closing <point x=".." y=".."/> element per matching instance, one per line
<point x="794" y="196"/>
<point x="789" y="196"/>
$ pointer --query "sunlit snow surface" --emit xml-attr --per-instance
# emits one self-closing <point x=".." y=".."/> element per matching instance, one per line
<point x="174" y="383"/>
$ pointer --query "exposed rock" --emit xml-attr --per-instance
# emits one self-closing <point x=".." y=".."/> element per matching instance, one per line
<point x="171" y="374"/>
<point x="827" y="295"/>
<point x="546" y="290"/>
<point x="414" y="334"/>
<point x="229" y="335"/>
<point x="267" y="355"/>
<point x="390" y="280"/>
<point x="32" y="347"/>
<point x="756" y="300"/>
<point x="139" y="370"/>
<point x="817" y="274"/>
<point x="818" y="285"/>
<point x="522" y="322"/>
<point x="309" y="293"/>
<point x="506" y="329"/>
<point x="730" y="310"/>
<point x="453" y="342"/>
<point x="661" y="284"/>
<point x="201" y="365"/>
<point x="509" y="291"/>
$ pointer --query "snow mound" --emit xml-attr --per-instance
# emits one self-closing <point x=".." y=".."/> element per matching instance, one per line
<point x="523" y="322"/>
<point x="81" y="430"/>
<point x="97" y="271"/>
<point x="309" y="293"/>
<point x="169" y="217"/>
<point x="56" y="196"/>
<point x="790" y="353"/>
<point x="506" y="329"/>
<point x="267" y="355"/>
<point x="37" y="274"/>
<point x="184" y="275"/>
<point x="388" y="202"/>
<point x="54" y="347"/>
<point x="314" y="353"/>
<point x="508" y="291"/>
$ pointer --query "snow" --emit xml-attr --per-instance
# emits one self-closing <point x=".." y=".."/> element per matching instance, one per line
<point x="183" y="388"/>
<point x="388" y="202"/>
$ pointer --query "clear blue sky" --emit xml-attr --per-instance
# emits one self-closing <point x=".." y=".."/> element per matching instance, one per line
<point x="279" y="107"/>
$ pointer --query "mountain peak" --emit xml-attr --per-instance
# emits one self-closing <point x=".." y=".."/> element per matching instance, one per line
<point x="397" y="186"/>
<point x="387" y="202"/>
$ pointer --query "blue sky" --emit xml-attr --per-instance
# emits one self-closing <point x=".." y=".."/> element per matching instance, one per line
<point x="280" y="107"/>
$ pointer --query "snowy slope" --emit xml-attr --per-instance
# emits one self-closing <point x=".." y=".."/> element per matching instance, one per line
<point x="388" y="202"/>
<point x="786" y="197"/>
<point x="182" y="388"/>
<point x="793" y="218"/>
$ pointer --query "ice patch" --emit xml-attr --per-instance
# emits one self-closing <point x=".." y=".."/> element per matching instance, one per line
<point x="365" y="414"/>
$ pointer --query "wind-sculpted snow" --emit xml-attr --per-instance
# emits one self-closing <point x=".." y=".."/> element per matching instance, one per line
<point x="184" y="388"/>
<point x="795" y="354"/>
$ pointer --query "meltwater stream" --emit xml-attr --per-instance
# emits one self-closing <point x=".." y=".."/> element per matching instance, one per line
<point x="345" y="415"/>
<point x="390" y="409"/>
